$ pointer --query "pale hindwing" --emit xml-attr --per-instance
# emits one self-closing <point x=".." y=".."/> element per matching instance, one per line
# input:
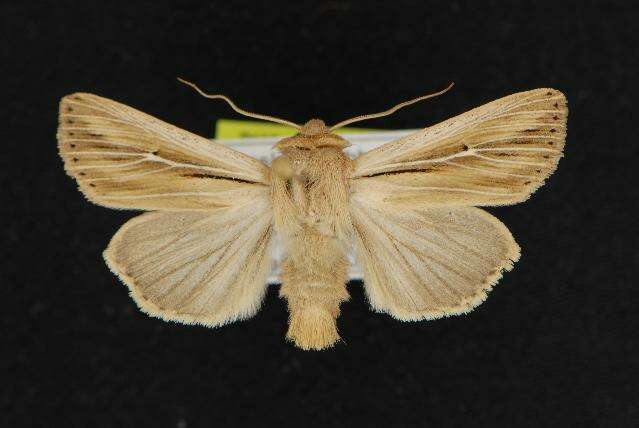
<point x="123" y="158"/>
<point x="496" y="154"/>
<point x="430" y="262"/>
<point x="201" y="267"/>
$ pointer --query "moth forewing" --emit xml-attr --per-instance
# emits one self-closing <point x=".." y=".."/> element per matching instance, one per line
<point x="123" y="158"/>
<point x="496" y="154"/>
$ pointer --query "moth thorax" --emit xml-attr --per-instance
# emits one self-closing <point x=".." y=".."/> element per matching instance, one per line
<point x="314" y="127"/>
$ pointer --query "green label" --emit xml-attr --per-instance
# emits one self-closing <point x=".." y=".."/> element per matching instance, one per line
<point x="230" y="128"/>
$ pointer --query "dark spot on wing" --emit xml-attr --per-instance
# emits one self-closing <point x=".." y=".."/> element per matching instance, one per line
<point x="406" y="171"/>
<point x="217" y="177"/>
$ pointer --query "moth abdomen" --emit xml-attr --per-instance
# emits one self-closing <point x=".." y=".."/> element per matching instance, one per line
<point x="314" y="278"/>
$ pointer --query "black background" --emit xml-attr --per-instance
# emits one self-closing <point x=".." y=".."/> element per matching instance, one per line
<point x="555" y="343"/>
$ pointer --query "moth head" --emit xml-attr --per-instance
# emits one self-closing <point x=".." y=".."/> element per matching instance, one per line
<point x="312" y="135"/>
<point x="314" y="127"/>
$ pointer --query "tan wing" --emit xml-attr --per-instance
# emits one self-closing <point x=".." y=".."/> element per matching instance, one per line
<point x="431" y="262"/>
<point x="199" y="267"/>
<point x="123" y="158"/>
<point x="496" y="154"/>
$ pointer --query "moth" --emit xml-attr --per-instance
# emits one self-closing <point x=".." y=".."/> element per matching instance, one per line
<point x="201" y="252"/>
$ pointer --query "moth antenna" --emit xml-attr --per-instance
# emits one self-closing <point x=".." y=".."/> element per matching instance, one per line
<point x="390" y="110"/>
<point x="237" y="109"/>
